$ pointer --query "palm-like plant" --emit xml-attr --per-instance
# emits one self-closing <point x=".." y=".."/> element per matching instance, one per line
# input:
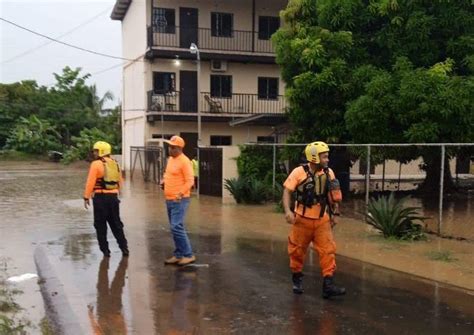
<point x="247" y="190"/>
<point x="236" y="187"/>
<point x="96" y="102"/>
<point x="393" y="219"/>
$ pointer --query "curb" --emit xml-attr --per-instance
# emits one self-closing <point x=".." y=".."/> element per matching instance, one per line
<point x="59" y="310"/>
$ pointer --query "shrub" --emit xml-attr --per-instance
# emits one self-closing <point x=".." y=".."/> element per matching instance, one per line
<point x="392" y="219"/>
<point x="247" y="190"/>
<point x="83" y="144"/>
<point x="34" y="136"/>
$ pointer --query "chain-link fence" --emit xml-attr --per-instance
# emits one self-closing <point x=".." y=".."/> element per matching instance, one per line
<point x="437" y="177"/>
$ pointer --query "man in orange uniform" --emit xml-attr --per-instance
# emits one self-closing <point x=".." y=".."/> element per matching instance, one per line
<point x="178" y="181"/>
<point x="311" y="221"/>
<point x="103" y="182"/>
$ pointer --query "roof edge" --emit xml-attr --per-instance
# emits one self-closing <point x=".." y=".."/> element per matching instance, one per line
<point x="120" y="9"/>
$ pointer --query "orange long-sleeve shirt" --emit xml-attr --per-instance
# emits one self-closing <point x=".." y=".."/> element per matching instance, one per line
<point x="179" y="177"/>
<point x="96" y="171"/>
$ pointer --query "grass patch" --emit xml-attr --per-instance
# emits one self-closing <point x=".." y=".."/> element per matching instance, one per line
<point x="8" y="306"/>
<point x="10" y="321"/>
<point x="392" y="240"/>
<point x="278" y="208"/>
<point x="442" y="256"/>
<point x="10" y="326"/>
<point x="12" y="155"/>
<point x="45" y="327"/>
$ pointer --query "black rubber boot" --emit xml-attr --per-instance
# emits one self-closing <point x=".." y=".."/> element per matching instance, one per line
<point x="298" y="283"/>
<point x="330" y="289"/>
<point x="125" y="252"/>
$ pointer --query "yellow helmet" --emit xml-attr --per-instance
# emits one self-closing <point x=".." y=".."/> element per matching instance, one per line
<point x="313" y="150"/>
<point x="104" y="148"/>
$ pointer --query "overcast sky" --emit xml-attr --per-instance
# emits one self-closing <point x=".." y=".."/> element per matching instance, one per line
<point x="53" y="18"/>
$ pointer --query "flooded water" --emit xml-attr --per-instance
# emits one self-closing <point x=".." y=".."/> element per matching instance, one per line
<point x="240" y="284"/>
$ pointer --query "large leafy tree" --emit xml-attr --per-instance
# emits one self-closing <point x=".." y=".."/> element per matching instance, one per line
<point x="380" y="71"/>
<point x="18" y="100"/>
<point x="70" y="106"/>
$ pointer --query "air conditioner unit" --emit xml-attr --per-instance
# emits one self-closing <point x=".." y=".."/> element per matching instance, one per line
<point x="218" y="65"/>
<point x="155" y="143"/>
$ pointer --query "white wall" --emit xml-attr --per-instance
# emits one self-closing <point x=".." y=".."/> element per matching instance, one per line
<point x="240" y="134"/>
<point x="392" y="168"/>
<point x="134" y="44"/>
<point x="244" y="76"/>
<point x="134" y="136"/>
<point x="133" y="109"/>
<point x="229" y="170"/>
<point x="134" y="35"/>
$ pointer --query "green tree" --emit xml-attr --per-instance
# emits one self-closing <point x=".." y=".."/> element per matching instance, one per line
<point x="380" y="71"/>
<point x="70" y="106"/>
<point x="112" y="125"/>
<point x="18" y="100"/>
<point x="96" y="102"/>
<point x="416" y="105"/>
<point x="33" y="135"/>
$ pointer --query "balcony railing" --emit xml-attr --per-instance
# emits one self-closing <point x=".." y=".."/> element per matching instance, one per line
<point x="236" y="103"/>
<point x="208" y="39"/>
<point x="163" y="102"/>
<point x="239" y="103"/>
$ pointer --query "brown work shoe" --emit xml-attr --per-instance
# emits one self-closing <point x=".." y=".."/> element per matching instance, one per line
<point x="172" y="261"/>
<point x="187" y="260"/>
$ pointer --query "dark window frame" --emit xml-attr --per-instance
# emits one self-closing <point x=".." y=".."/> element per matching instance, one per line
<point x="220" y="91"/>
<point x="213" y="139"/>
<point x="159" y="136"/>
<point x="218" y="28"/>
<point x="267" y="26"/>
<point x="266" y="82"/>
<point x="169" y="14"/>
<point x="172" y="83"/>
<point x="266" y="139"/>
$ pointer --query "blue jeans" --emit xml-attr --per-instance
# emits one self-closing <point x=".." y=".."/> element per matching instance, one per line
<point x="176" y="213"/>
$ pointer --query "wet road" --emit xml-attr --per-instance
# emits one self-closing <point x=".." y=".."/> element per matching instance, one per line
<point x="241" y="284"/>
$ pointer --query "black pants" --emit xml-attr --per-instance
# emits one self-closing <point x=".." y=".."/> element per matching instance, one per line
<point x="107" y="210"/>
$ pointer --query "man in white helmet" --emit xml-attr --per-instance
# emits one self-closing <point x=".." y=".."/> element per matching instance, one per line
<point x="316" y="212"/>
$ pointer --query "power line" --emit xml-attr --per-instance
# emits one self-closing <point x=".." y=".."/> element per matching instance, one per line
<point x="69" y="45"/>
<point x="31" y="50"/>
<point x="107" y="69"/>
<point x="99" y="72"/>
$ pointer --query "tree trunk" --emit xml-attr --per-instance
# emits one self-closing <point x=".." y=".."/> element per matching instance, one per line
<point x="432" y="166"/>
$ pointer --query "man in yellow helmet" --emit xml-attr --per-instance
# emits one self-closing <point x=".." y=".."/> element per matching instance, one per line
<point x="316" y="212"/>
<point x="103" y="183"/>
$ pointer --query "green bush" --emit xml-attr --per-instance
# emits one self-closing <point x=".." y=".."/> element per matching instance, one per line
<point x="34" y="136"/>
<point x="255" y="161"/>
<point x="247" y="190"/>
<point x="392" y="219"/>
<point x="255" y="182"/>
<point x="83" y="144"/>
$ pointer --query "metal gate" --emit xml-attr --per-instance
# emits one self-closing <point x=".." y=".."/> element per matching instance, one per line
<point x="210" y="171"/>
<point x="151" y="162"/>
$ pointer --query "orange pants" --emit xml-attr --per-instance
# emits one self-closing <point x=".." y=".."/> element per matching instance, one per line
<point x="303" y="232"/>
